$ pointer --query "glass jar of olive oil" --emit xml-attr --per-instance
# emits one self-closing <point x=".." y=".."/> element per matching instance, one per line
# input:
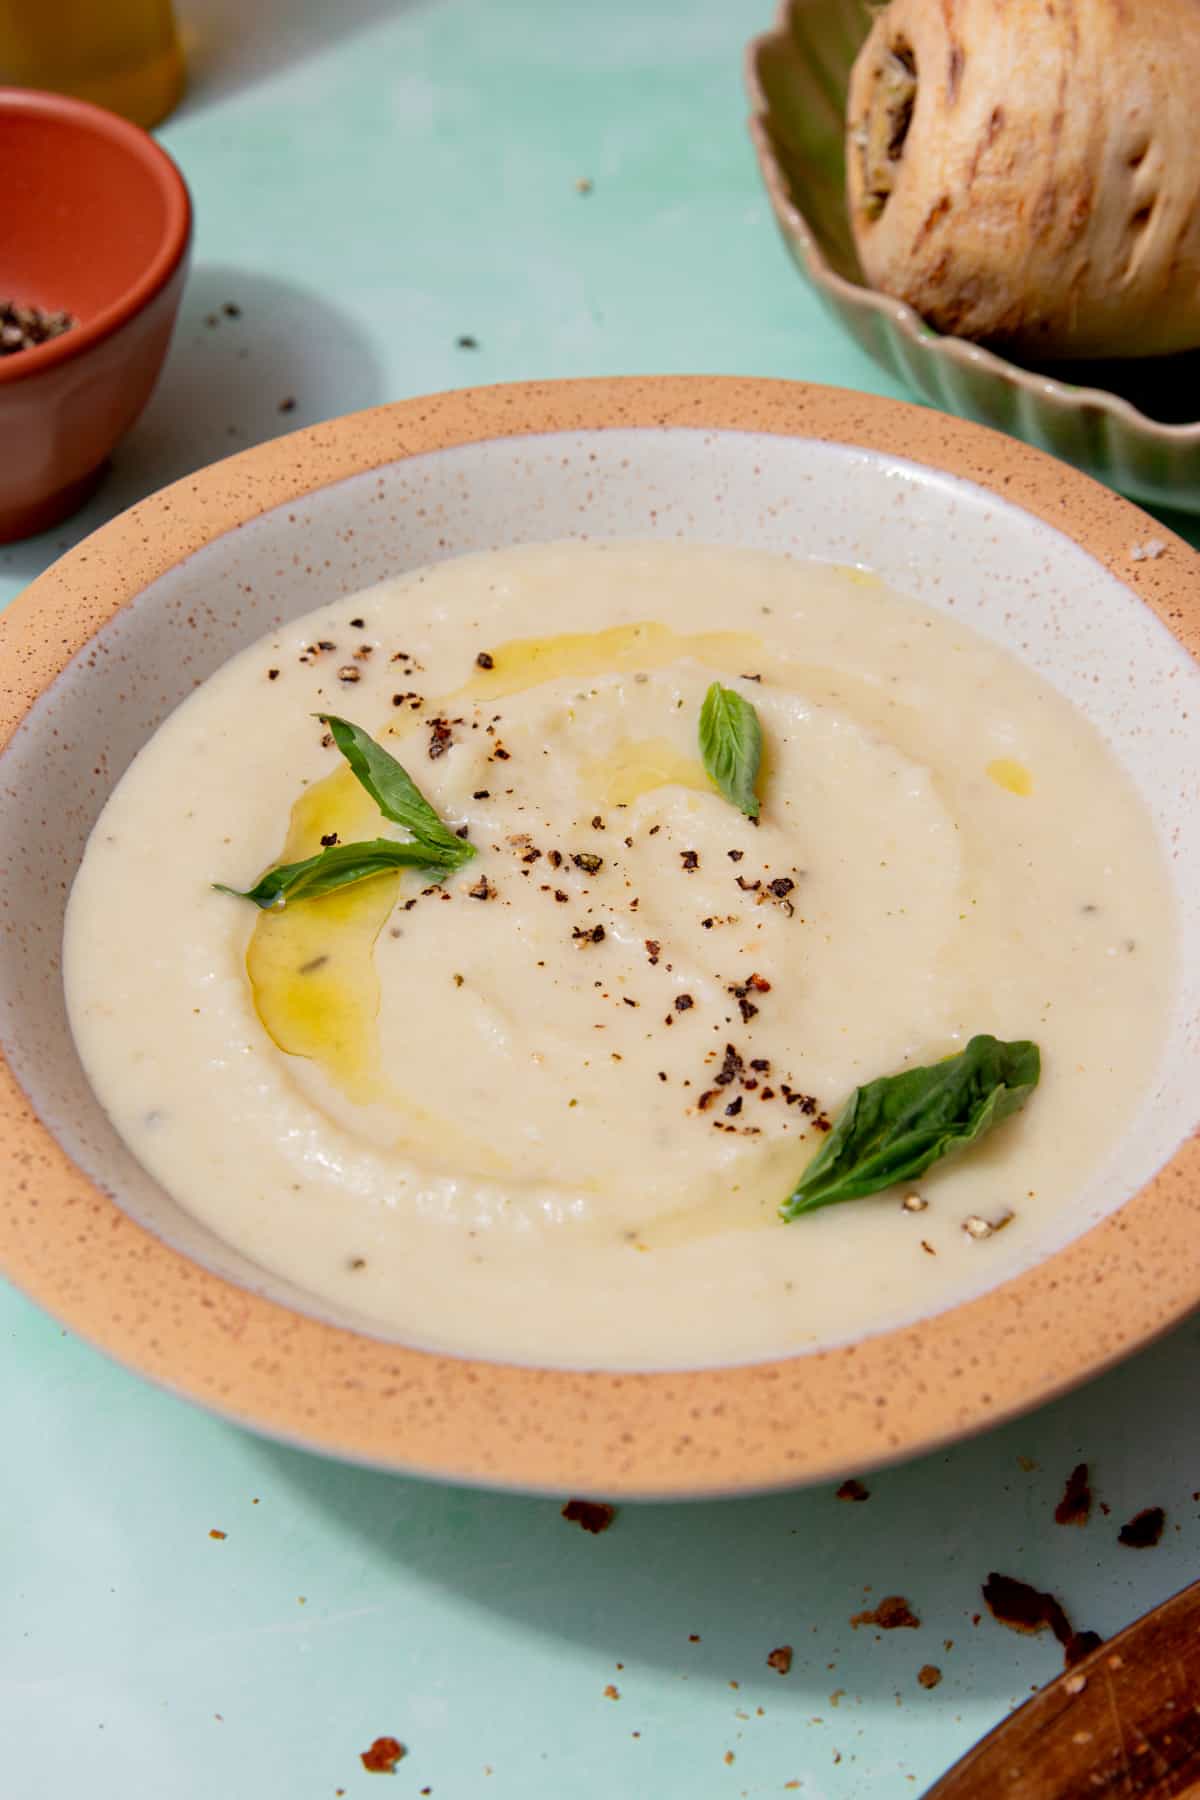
<point x="123" y="54"/>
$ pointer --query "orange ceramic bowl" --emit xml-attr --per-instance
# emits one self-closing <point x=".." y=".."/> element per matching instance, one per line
<point x="97" y="223"/>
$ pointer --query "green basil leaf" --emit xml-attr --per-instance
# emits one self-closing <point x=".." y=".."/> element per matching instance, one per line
<point x="335" y="867"/>
<point x="731" y="745"/>
<point x="892" y="1129"/>
<point x="395" y="793"/>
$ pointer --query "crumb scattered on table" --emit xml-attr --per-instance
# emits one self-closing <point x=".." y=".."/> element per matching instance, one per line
<point x="593" y="1515"/>
<point x="1024" y="1608"/>
<point x="781" y="1659"/>
<point x="853" y="1490"/>
<point x="1144" y="1530"/>
<point x="214" y="1533"/>
<point x="1076" y="1504"/>
<point x="1079" y="1645"/>
<point x="892" y="1614"/>
<point x="382" y="1757"/>
<point x="929" y="1675"/>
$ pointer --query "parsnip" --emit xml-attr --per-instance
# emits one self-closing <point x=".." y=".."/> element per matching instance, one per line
<point x="1027" y="172"/>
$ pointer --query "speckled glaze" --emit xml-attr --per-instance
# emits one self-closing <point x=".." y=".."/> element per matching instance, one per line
<point x="1090" y="414"/>
<point x="93" y="655"/>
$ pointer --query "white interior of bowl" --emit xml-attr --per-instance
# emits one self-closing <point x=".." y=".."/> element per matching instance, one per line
<point x="944" y="541"/>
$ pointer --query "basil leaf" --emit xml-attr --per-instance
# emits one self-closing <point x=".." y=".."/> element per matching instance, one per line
<point x="731" y="745"/>
<point x="395" y="793"/>
<point x="892" y="1129"/>
<point x="335" y="867"/>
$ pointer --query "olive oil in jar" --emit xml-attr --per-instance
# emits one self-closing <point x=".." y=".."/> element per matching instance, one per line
<point x="122" y="54"/>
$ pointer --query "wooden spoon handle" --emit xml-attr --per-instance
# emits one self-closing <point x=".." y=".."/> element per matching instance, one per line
<point x="1124" y="1724"/>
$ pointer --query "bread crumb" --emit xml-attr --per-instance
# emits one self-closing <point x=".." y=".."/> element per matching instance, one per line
<point x="892" y="1614"/>
<point x="382" y="1757"/>
<point x="1076" y="1504"/>
<point x="593" y="1515"/>
<point x="1144" y="1530"/>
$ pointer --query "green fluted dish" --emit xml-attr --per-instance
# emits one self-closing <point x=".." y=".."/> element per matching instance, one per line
<point x="1131" y="424"/>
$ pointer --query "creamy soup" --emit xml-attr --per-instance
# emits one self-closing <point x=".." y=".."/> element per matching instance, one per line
<point x="547" y="1106"/>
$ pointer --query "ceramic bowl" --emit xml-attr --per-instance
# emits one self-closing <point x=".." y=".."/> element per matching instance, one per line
<point x="97" y="222"/>
<point x="1130" y="423"/>
<point x="1085" y="588"/>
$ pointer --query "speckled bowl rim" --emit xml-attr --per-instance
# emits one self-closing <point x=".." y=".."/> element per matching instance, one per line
<point x="923" y="340"/>
<point x="711" y="1432"/>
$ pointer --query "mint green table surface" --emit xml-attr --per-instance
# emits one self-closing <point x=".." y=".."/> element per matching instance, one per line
<point x="372" y="182"/>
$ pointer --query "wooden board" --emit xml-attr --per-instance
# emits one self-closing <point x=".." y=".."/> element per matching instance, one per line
<point x="1123" y="1725"/>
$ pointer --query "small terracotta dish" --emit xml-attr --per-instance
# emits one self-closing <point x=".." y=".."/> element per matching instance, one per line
<point x="1087" y="590"/>
<point x="97" y="223"/>
<point x="1132" y="424"/>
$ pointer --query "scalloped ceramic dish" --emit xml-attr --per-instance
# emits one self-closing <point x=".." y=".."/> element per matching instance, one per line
<point x="111" y="638"/>
<point x="1120" y="421"/>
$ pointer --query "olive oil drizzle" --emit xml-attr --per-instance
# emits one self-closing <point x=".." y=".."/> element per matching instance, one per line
<point x="524" y="663"/>
<point x="637" y="767"/>
<point x="312" y="967"/>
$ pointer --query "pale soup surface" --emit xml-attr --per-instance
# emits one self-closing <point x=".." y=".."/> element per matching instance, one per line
<point x="547" y="1109"/>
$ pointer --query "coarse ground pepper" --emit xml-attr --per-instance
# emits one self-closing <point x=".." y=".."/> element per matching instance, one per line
<point x="25" y="327"/>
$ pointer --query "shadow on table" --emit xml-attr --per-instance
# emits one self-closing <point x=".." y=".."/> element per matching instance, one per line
<point x="230" y="45"/>
<point x="252" y="358"/>
<point x="1187" y="524"/>
<point x="748" y="1576"/>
